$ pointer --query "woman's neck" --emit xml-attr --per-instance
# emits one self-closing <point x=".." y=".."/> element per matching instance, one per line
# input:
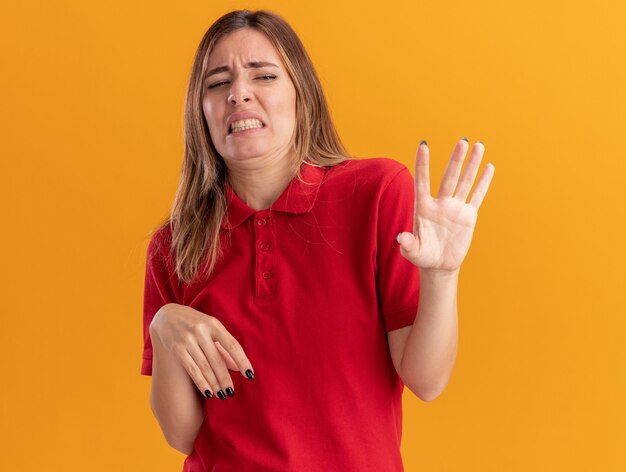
<point x="259" y="184"/>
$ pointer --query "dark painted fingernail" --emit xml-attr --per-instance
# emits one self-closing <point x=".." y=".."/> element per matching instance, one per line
<point x="249" y="374"/>
<point x="208" y="394"/>
<point x="423" y="142"/>
<point x="221" y="395"/>
<point x="465" y="139"/>
<point x="230" y="392"/>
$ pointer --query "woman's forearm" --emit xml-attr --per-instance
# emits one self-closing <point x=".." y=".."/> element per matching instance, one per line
<point x="174" y="398"/>
<point x="431" y="347"/>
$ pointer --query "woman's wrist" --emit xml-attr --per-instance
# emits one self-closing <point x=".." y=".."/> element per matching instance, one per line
<point x="157" y="321"/>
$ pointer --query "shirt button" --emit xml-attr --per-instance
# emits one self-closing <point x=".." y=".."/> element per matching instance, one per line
<point x="267" y="275"/>
<point x="261" y="221"/>
<point x="265" y="246"/>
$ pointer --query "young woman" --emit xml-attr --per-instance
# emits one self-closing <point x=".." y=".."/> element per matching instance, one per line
<point x="281" y="314"/>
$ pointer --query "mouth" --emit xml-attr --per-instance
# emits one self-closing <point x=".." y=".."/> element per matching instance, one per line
<point x="243" y="125"/>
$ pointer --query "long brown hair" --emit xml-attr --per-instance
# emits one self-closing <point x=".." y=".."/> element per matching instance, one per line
<point x="200" y="204"/>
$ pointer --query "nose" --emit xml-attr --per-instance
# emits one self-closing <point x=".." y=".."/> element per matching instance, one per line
<point x="239" y="93"/>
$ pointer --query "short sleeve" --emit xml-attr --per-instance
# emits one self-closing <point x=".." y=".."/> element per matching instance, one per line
<point x="158" y="291"/>
<point x="398" y="280"/>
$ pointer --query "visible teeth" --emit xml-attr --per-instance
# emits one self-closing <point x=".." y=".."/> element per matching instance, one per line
<point x="245" y="124"/>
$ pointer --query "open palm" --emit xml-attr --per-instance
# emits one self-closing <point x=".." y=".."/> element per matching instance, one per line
<point x="443" y="226"/>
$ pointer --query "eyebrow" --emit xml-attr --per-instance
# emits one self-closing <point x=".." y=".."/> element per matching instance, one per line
<point x="249" y="65"/>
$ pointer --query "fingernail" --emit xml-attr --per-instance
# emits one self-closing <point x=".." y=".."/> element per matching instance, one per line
<point x="398" y="238"/>
<point x="249" y="374"/>
<point x="465" y="139"/>
<point x="423" y="142"/>
<point x="230" y="392"/>
<point x="208" y="394"/>
<point x="221" y="395"/>
<point x="480" y="142"/>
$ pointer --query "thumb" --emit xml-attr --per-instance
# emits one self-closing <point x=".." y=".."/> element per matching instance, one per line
<point x="409" y="245"/>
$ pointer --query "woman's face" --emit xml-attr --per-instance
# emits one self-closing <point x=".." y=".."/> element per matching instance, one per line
<point x="249" y="101"/>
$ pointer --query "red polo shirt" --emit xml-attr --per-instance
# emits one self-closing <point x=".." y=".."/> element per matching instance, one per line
<point x="309" y="287"/>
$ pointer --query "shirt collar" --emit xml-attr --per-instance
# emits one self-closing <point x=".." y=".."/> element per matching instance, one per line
<point x="298" y="197"/>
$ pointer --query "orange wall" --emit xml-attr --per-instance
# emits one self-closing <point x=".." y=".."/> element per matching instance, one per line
<point x="91" y="148"/>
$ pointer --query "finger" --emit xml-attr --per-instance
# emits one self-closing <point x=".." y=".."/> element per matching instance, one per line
<point x="482" y="186"/>
<point x="453" y="169"/>
<point x="213" y="366"/>
<point x="422" y="177"/>
<point x="235" y="351"/>
<point x="230" y="363"/>
<point x="204" y="380"/>
<point x="409" y="246"/>
<point x="469" y="173"/>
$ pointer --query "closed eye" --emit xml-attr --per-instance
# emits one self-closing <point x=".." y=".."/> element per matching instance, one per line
<point x="267" y="77"/>
<point x="217" y="84"/>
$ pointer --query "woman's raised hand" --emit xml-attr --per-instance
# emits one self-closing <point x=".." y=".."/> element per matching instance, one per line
<point x="443" y="226"/>
<point x="202" y="345"/>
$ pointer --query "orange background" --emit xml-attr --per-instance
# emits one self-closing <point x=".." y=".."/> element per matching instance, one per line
<point x="91" y="119"/>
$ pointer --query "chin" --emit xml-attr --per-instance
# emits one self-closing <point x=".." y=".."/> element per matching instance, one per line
<point x="244" y="155"/>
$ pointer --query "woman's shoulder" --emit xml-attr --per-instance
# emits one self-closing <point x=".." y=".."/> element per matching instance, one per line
<point x="376" y="163"/>
<point x="161" y="240"/>
<point x="377" y="170"/>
